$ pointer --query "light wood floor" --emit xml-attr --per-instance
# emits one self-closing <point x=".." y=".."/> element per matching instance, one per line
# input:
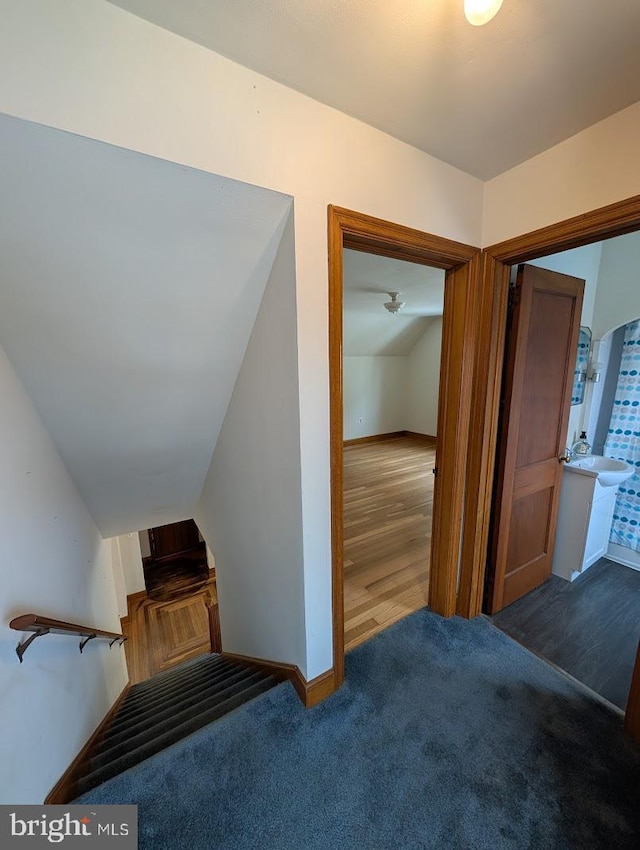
<point x="161" y="634"/>
<point x="388" y="499"/>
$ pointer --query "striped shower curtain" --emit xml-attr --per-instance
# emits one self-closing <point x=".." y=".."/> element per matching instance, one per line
<point x="623" y="440"/>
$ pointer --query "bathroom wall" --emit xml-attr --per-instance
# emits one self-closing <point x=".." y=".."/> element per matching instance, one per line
<point x="618" y="293"/>
<point x="608" y="355"/>
<point x="616" y="302"/>
<point x="584" y="263"/>
<point x="611" y="299"/>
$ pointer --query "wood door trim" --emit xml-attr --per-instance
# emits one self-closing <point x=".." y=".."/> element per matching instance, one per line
<point x="603" y="223"/>
<point x="357" y="231"/>
<point x="613" y="220"/>
<point x="363" y="232"/>
<point x="483" y="432"/>
<point x="632" y="715"/>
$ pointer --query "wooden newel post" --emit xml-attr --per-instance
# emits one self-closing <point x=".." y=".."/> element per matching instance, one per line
<point x="632" y="717"/>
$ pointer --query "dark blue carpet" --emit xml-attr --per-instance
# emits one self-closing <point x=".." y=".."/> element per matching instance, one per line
<point x="446" y="734"/>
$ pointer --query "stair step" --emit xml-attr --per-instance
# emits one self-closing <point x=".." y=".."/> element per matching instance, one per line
<point x="131" y="712"/>
<point x="150" y="719"/>
<point x="171" y="736"/>
<point x="153" y="728"/>
<point x="141" y="703"/>
<point x="169" y="677"/>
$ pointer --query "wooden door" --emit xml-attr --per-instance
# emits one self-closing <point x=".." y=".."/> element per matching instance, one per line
<point x="542" y="340"/>
<point x="174" y="538"/>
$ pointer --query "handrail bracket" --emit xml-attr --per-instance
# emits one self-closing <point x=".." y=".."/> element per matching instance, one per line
<point x="84" y="642"/>
<point x="22" y="647"/>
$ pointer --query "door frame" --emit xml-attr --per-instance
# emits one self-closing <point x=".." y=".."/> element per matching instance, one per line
<point x="606" y="222"/>
<point x="462" y="309"/>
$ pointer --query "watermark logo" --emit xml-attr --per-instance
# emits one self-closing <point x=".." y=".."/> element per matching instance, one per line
<point x="29" y="827"/>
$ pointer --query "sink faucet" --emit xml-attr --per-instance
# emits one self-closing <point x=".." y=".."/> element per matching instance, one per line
<point x="581" y="447"/>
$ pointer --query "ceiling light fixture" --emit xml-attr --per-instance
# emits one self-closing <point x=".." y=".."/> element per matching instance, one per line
<point x="394" y="305"/>
<point x="479" y="12"/>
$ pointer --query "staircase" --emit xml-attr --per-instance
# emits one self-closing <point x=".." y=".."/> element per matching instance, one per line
<point x="166" y="708"/>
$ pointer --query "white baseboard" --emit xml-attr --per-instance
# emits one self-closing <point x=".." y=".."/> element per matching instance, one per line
<point x="624" y="556"/>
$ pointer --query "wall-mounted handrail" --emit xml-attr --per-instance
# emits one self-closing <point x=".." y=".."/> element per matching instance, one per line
<point x="46" y="626"/>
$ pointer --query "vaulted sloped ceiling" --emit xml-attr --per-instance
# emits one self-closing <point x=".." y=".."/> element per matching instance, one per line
<point x="481" y="98"/>
<point x="369" y="330"/>
<point x="128" y="290"/>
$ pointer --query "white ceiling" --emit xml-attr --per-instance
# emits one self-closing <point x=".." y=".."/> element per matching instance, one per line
<point x="368" y="328"/>
<point x="481" y="98"/>
<point x="128" y="290"/>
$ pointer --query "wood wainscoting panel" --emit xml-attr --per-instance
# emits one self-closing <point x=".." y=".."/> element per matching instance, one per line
<point x="179" y="630"/>
<point x="162" y="634"/>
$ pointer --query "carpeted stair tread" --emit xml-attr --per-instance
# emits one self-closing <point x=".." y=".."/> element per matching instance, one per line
<point x="142" y="730"/>
<point x="175" y="733"/>
<point x="132" y="713"/>
<point x="195" y="667"/>
<point x="153" y="701"/>
<point x="198" y="661"/>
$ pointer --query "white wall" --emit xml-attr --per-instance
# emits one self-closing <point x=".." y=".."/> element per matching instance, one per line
<point x="250" y="509"/>
<point x="617" y="299"/>
<point x="109" y="75"/>
<point x="397" y="393"/>
<point x="374" y="391"/>
<point x="118" y="578"/>
<point x="424" y="381"/>
<point x="145" y="543"/>
<point x="596" y="167"/>
<point x="607" y="353"/>
<point x="379" y="334"/>
<point x="58" y="565"/>
<point x="130" y="553"/>
<point x="612" y="298"/>
<point x="583" y="262"/>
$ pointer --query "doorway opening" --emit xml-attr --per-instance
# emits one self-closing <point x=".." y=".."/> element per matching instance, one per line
<point x="360" y="233"/>
<point x="175" y="618"/>
<point x="391" y="376"/>
<point x="585" y="614"/>
<point x="174" y="560"/>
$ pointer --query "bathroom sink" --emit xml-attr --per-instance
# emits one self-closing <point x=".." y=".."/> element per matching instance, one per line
<point x="607" y="470"/>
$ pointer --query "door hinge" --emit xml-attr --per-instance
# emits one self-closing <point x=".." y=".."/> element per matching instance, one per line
<point x="435" y="471"/>
<point x="514" y="296"/>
